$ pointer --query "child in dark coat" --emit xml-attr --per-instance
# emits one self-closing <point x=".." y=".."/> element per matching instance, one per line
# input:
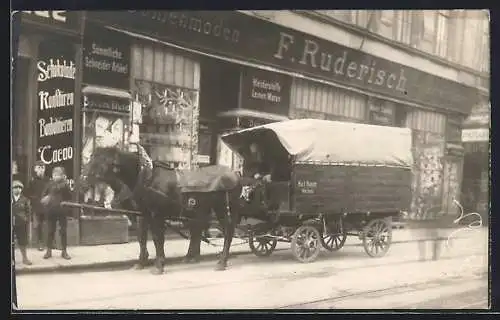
<point x="35" y="188"/>
<point x="57" y="191"/>
<point x="21" y="214"/>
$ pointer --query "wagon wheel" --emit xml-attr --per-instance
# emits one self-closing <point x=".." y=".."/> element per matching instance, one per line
<point x="306" y="243"/>
<point x="261" y="246"/>
<point x="377" y="238"/>
<point x="334" y="236"/>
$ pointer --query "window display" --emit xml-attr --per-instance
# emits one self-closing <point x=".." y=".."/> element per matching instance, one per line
<point x="169" y="129"/>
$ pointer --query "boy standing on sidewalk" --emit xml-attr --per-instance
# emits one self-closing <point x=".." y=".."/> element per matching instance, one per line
<point x="57" y="191"/>
<point x="21" y="214"/>
<point x="35" y="189"/>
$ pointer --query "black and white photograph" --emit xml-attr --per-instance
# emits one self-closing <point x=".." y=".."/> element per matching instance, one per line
<point x="271" y="160"/>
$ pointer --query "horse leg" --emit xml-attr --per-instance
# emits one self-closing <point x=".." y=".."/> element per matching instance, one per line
<point x="158" y="228"/>
<point x="228" y="223"/>
<point x="142" y="229"/>
<point x="193" y="254"/>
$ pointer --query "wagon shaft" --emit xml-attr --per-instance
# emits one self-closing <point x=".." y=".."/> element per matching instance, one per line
<point x="107" y="211"/>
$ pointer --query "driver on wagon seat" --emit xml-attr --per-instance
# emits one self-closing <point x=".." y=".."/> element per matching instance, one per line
<point x="254" y="165"/>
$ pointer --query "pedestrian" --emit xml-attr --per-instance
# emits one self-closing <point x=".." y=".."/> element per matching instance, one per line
<point x="21" y="214"/>
<point x="56" y="191"/>
<point x="34" y="192"/>
<point x="429" y="233"/>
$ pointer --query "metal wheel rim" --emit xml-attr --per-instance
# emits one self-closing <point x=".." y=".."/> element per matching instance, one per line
<point x="265" y="245"/>
<point x="334" y="241"/>
<point x="306" y="244"/>
<point x="377" y="238"/>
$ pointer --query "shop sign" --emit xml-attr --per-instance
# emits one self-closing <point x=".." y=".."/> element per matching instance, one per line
<point x="96" y="102"/>
<point x="265" y="91"/>
<point x="473" y="135"/>
<point x="381" y="114"/>
<point x="54" y="18"/>
<point x="237" y="35"/>
<point x="204" y="159"/>
<point x="55" y="104"/>
<point x="106" y="58"/>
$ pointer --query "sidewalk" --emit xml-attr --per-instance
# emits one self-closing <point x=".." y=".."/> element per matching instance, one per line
<point x="123" y="255"/>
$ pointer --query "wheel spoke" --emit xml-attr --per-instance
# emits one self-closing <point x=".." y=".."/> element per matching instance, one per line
<point x="372" y="245"/>
<point x="332" y="241"/>
<point x="302" y="252"/>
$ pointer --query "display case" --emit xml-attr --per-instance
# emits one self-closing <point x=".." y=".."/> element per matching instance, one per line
<point x="106" y="118"/>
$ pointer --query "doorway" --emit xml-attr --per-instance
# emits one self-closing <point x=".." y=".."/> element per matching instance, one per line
<point x="20" y="130"/>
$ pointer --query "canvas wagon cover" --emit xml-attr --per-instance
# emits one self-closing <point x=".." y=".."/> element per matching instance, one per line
<point x="332" y="142"/>
<point x="208" y="179"/>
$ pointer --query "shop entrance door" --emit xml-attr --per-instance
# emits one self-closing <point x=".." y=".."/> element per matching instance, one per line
<point x="20" y="136"/>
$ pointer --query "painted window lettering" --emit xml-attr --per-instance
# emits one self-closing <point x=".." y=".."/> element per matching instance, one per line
<point x="49" y="156"/>
<point x="55" y="126"/>
<point x="55" y="68"/>
<point x="57" y="100"/>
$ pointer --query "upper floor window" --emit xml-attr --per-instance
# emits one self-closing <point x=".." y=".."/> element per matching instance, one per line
<point x="385" y="27"/>
<point x="362" y="18"/>
<point x="342" y="15"/>
<point x="485" y="54"/>
<point x="442" y="36"/>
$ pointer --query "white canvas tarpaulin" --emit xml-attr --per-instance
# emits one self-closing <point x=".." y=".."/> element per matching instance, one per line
<point x="331" y="142"/>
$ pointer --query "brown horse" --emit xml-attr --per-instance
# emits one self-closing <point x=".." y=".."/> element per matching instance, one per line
<point x="168" y="195"/>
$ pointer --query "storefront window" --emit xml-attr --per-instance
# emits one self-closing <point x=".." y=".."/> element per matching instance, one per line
<point x="166" y="84"/>
<point x="102" y="130"/>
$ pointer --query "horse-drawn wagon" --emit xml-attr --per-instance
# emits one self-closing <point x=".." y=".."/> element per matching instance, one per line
<point x="330" y="180"/>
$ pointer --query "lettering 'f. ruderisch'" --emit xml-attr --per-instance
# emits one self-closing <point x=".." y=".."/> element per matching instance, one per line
<point x="338" y="65"/>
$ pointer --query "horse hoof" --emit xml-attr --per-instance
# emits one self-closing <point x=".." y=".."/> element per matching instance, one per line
<point x="191" y="260"/>
<point x="157" y="271"/>
<point x="138" y="266"/>
<point x="220" y="267"/>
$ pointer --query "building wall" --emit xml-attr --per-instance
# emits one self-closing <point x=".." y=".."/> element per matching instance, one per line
<point x="445" y="43"/>
<point x="430" y="40"/>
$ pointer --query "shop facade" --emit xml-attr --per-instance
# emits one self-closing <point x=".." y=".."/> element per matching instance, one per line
<point x="197" y="75"/>
<point x="46" y="92"/>
<point x="176" y="81"/>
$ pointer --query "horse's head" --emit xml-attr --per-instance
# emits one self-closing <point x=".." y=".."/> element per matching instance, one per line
<point x="110" y="165"/>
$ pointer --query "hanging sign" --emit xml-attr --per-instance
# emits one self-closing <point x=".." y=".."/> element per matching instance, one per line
<point x="106" y="58"/>
<point x="381" y="113"/>
<point x="56" y="72"/>
<point x="473" y="135"/>
<point x="106" y="103"/>
<point x="265" y="91"/>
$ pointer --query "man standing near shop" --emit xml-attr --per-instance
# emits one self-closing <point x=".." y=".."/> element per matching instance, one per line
<point x="34" y="192"/>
